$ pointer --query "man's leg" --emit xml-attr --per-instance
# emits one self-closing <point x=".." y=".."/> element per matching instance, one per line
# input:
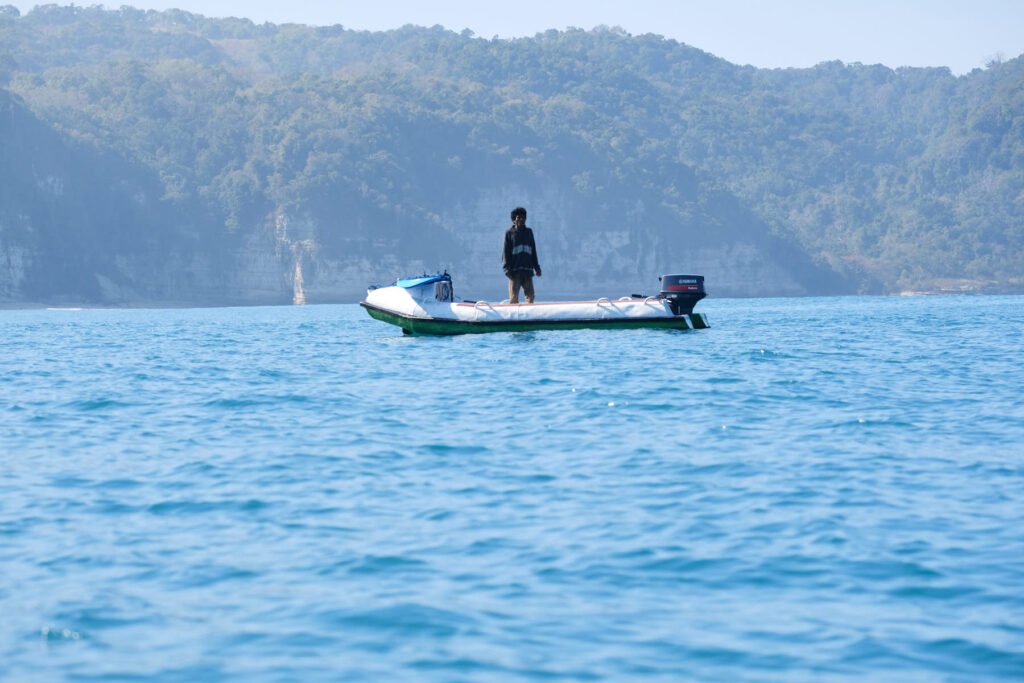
<point x="528" y="288"/>
<point x="513" y="289"/>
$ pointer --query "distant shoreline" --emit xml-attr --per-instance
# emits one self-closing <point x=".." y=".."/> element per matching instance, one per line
<point x="66" y="306"/>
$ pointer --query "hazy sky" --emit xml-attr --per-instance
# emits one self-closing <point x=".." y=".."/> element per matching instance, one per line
<point x="960" y="34"/>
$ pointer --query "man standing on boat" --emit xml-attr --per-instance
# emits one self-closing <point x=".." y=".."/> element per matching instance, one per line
<point x="519" y="258"/>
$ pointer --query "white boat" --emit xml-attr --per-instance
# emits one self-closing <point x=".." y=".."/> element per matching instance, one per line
<point x="428" y="305"/>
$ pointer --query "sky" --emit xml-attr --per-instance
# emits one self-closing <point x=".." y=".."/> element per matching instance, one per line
<point x="960" y="34"/>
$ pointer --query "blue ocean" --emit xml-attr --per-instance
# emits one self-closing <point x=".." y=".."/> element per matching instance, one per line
<point x="820" y="489"/>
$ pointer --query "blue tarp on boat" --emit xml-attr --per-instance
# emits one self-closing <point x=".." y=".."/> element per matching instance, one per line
<point x="410" y="282"/>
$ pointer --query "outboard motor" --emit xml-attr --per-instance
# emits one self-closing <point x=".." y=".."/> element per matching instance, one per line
<point x="682" y="292"/>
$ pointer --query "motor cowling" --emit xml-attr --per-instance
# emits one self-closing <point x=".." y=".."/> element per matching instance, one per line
<point x="682" y="292"/>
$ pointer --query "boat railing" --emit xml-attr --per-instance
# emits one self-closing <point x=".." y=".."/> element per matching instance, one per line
<point x="641" y="299"/>
<point x="477" y="305"/>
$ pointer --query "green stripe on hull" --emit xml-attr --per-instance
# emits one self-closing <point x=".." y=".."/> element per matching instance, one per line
<point x="445" y="327"/>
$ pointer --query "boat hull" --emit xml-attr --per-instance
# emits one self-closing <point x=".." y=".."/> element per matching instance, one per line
<point x="412" y="324"/>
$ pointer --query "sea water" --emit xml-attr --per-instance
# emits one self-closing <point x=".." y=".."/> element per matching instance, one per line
<point x="824" y="489"/>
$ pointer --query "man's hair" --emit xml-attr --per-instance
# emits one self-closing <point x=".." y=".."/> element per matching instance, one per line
<point x="518" y="211"/>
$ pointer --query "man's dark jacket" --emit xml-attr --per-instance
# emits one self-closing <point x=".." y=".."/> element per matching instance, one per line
<point x="520" y="254"/>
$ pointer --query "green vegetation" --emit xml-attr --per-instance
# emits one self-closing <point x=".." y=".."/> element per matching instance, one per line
<point x="890" y="179"/>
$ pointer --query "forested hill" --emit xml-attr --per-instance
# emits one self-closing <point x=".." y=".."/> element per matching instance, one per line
<point x="164" y="157"/>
